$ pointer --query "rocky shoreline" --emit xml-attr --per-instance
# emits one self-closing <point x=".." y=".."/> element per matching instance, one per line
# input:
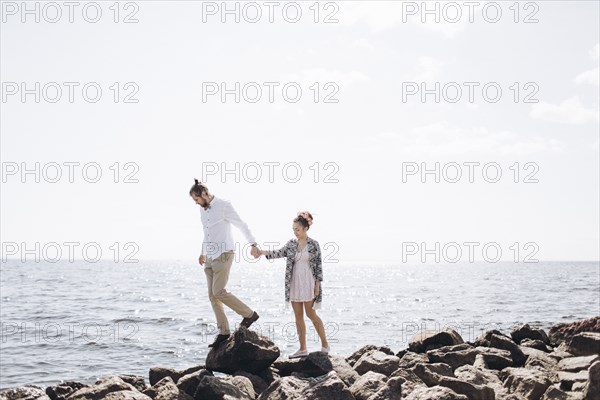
<point x="526" y="364"/>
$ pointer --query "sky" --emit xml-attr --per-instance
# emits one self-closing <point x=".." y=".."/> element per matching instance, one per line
<point x="348" y="109"/>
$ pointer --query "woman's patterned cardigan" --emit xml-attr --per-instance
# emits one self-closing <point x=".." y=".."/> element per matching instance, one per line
<point x="314" y="260"/>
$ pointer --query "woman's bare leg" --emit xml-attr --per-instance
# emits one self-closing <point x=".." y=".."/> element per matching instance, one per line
<point x="300" y="325"/>
<point x="316" y="320"/>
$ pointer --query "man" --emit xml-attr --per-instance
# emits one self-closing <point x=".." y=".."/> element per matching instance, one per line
<point x="217" y="256"/>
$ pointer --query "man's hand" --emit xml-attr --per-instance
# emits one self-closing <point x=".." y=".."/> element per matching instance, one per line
<point x="255" y="252"/>
<point x="202" y="260"/>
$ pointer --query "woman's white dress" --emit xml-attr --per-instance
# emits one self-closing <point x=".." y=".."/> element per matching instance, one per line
<point x="302" y="286"/>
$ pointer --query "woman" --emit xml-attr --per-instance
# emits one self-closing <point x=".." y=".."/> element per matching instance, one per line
<point x="303" y="276"/>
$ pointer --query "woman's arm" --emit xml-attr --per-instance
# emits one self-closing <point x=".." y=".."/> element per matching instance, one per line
<point x="279" y="253"/>
<point x="318" y="264"/>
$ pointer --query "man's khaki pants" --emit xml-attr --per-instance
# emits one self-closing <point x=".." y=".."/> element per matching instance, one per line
<point x="217" y="275"/>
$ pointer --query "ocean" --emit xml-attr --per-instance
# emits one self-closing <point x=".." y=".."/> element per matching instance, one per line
<point x="79" y="320"/>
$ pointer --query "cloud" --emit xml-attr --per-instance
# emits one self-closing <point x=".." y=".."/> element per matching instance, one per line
<point x="442" y="139"/>
<point x="595" y="52"/>
<point x="590" y="77"/>
<point x="570" y="111"/>
<point x="427" y="69"/>
<point x="308" y="77"/>
<point x="382" y="15"/>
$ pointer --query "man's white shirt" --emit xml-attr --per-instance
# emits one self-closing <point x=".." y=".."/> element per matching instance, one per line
<point x="217" y="221"/>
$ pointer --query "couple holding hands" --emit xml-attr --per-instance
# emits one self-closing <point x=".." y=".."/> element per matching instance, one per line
<point x="303" y="274"/>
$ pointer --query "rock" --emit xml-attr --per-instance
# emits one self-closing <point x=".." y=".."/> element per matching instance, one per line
<point x="585" y="344"/>
<point x="455" y="356"/>
<point x="435" y="393"/>
<point x="244" y="350"/>
<point x="136" y="381"/>
<point x="410" y="359"/>
<point x="574" y="364"/>
<point x="367" y="385"/>
<point x="328" y="386"/>
<point x="563" y="332"/>
<point x="528" y="383"/>
<point x="214" y="388"/>
<point x="591" y="390"/>
<point x="102" y="388"/>
<point x="429" y="340"/>
<point x="64" y="389"/>
<point x="189" y="382"/>
<point x="567" y="379"/>
<point x="243" y="384"/>
<point x="377" y="361"/>
<point x="315" y="364"/>
<point x="472" y="391"/>
<point x="126" y="395"/>
<point x="495" y="358"/>
<point x="535" y="344"/>
<point x="538" y="358"/>
<point x="526" y="332"/>
<point x="343" y="369"/>
<point x="412" y="381"/>
<point x="480" y="362"/>
<point x="504" y="343"/>
<point x="392" y="390"/>
<point x="29" y="392"/>
<point x="158" y="373"/>
<point x="430" y="373"/>
<point x="258" y="383"/>
<point x="166" y="389"/>
<point x="554" y="393"/>
<point x="358" y="353"/>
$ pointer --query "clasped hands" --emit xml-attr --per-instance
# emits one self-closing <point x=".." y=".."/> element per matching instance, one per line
<point x="255" y="251"/>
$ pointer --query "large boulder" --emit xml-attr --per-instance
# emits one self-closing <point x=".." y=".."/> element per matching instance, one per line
<point x="539" y="359"/>
<point x="392" y="390"/>
<point x="328" y="386"/>
<point x="189" y="382"/>
<point x="585" y="344"/>
<point x="29" y="392"/>
<point x="343" y="369"/>
<point x="409" y="359"/>
<point x="526" y="332"/>
<point x="244" y="350"/>
<point x="353" y="358"/>
<point x="63" y="390"/>
<point x="214" y="388"/>
<point x="102" y="388"/>
<point x="126" y="395"/>
<point x="564" y="331"/>
<point x="494" y="358"/>
<point x="429" y="340"/>
<point x="258" y="383"/>
<point x="592" y="388"/>
<point x="377" y="361"/>
<point x="528" y="383"/>
<point x="471" y="390"/>
<point x="367" y="385"/>
<point x="574" y="364"/>
<point x="315" y="364"/>
<point x="499" y="341"/>
<point x="158" y="373"/>
<point x="166" y="389"/>
<point x="435" y="393"/>
<point x="455" y="356"/>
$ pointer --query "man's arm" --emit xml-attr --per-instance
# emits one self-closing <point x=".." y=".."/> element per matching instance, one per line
<point x="232" y="216"/>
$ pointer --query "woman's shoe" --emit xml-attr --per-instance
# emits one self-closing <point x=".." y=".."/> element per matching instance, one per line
<point x="325" y="349"/>
<point x="299" y="353"/>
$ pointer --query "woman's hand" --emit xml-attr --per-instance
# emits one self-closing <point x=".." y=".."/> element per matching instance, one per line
<point x="317" y="288"/>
